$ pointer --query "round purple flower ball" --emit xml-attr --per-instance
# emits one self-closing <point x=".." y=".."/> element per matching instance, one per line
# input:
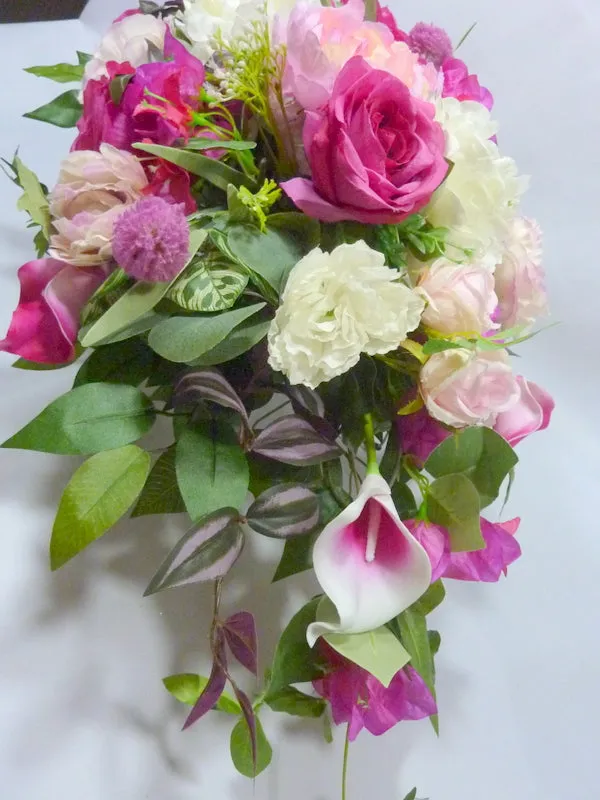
<point x="151" y="240"/>
<point x="431" y="43"/>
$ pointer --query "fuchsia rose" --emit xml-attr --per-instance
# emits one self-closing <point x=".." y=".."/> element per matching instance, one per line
<point x="103" y="122"/>
<point x="531" y="413"/>
<point x="458" y="83"/>
<point x="359" y="699"/>
<point x="486" y="565"/>
<point x="375" y="151"/>
<point x="45" y="324"/>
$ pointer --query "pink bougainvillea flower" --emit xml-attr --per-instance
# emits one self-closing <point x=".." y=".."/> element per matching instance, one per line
<point x="458" y="83"/>
<point x="368" y="563"/>
<point x="420" y="434"/>
<point x="358" y="698"/>
<point x="172" y="183"/>
<point x="103" y="122"/>
<point x="532" y="413"/>
<point x="376" y="152"/>
<point x="487" y="565"/>
<point x="45" y="324"/>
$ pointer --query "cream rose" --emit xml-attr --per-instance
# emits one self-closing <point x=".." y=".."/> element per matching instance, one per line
<point x="93" y="189"/>
<point x="336" y="306"/>
<point x="460" y="297"/>
<point x="462" y="387"/>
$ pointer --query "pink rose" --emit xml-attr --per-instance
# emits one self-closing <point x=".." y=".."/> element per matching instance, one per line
<point x="531" y="413"/>
<point x="420" y="434"/>
<point x="486" y="565"/>
<point x="520" y="278"/>
<point x="458" y="83"/>
<point x="460" y="297"/>
<point x="463" y="388"/>
<point x="375" y="151"/>
<point x="93" y="189"/>
<point x="45" y="324"/>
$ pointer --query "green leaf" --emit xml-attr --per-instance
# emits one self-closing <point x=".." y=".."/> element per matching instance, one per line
<point x="187" y="688"/>
<point x="412" y="795"/>
<point x="161" y="494"/>
<point x="453" y="503"/>
<point x="435" y="641"/>
<point x="481" y="454"/>
<point x="61" y="73"/>
<point x="298" y="704"/>
<point x="210" y="169"/>
<point x="83" y="58"/>
<point x="207" y="285"/>
<point x="142" y="325"/>
<point x="404" y="500"/>
<point x="64" y="111"/>
<point x="134" y="304"/>
<point x="34" y="199"/>
<point x="96" y="497"/>
<point x="202" y="143"/>
<point x="86" y="420"/>
<point x="432" y="346"/>
<point x="433" y="597"/>
<point x="212" y="470"/>
<point x="117" y="87"/>
<point x="413" y="631"/>
<point x="294" y="661"/>
<point x="235" y="344"/>
<point x="241" y="749"/>
<point x="327" y="729"/>
<point x="34" y="366"/>
<point x="185" y="339"/>
<point x="378" y="651"/>
<point x="129" y="362"/>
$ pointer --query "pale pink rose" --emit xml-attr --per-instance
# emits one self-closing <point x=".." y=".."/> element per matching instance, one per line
<point x="129" y="39"/>
<point x="463" y="387"/>
<point x="460" y="297"/>
<point x="320" y="40"/>
<point x="93" y="189"/>
<point x="520" y="279"/>
<point x="531" y="413"/>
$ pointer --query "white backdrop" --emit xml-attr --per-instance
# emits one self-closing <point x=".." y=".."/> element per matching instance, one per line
<point x="84" y="715"/>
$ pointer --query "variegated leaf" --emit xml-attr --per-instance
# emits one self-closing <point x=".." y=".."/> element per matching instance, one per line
<point x="293" y="440"/>
<point x="210" y="283"/>
<point x="208" y="384"/>
<point x="285" y="510"/>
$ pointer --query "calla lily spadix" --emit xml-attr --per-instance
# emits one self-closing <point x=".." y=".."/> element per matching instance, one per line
<point x="368" y="563"/>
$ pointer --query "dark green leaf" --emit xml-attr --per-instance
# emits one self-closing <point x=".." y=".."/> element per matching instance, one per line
<point x="479" y="453"/>
<point x="212" y="470"/>
<point x="235" y="344"/>
<point x="83" y="58"/>
<point x="200" y="143"/>
<point x="294" y="661"/>
<point x="117" y="87"/>
<point x="241" y="749"/>
<point x="413" y="631"/>
<point x="64" y="111"/>
<point x="298" y="704"/>
<point x="296" y="557"/>
<point x="128" y="362"/>
<point x="187" y="688"/>
<point x="453" y="503"/>
<point x="161" y="494"/>
<point x="22" y="363"/>
<point x="433" y="597"/>
<point x="404" y="500"/>
<point x="61" y="73"/>
<point x="435" y="641"/>
<point x="86" y="420"/>
<point x="97" y="496"/>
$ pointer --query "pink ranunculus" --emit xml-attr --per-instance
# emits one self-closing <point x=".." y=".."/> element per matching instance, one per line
<point x="358" y="698"/>
<point x="375" y="151"/>
<point x="45" y="324"/>
<point x="93" y="189"/>
<point x="103" y="122"/>
<point x="486" y="565"/>
<point x="458" y="83"/>
<point x="520" y="278"/>
<point x="460" y="297"/>
<point x="531" y="413"/>
<point x="462" y="388"/>
<point x="420" y="434"/>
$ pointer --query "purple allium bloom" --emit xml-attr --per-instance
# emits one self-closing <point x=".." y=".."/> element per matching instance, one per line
<point x="151" y="240"/>
<point x="431" y="43"/>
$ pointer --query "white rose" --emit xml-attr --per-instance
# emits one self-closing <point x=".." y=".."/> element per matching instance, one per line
<point x="520" y="278"/>
<point x="463" y="388"/>
<point x="336" y="306"/>
<point x="478" y="199"/>
<point x="460" y="297"/>
<point x="128" y="40"/>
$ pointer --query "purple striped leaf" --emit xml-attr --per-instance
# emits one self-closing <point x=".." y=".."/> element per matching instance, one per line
<point x="284" y="511"/>
<point x="215" y="686"/>
<point x="206" y="552"/>
<point x="209" y="384"/>
<point x="250" y="718"/>
<point x="294" y="441"/>
<point x="308" y="405"/>
<point x="240" y="635"/>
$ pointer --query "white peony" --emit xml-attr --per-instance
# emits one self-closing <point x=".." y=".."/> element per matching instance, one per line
<point x="480" y="196"/>
<point x="336" y="306"/>
<point x="130" y="39"/>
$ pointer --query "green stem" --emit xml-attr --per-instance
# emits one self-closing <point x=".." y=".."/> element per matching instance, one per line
<point x="372" y="466"/>
<point x="345" y="765"/>
<point x="370" y="10"/>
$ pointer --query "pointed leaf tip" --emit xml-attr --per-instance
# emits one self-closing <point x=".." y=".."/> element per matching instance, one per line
<point x="294" y="441"/>
<point x="240" y="634"/>
<point x="284" y="511"/>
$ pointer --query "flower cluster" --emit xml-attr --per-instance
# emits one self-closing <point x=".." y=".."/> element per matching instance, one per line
<point x="302" y="202"/>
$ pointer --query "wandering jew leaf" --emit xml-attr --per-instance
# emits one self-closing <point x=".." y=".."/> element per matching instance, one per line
<point x="240" y="634"/>
<point x="214" y="688"/>
<point x="284" y="511"/>
<point x="208" y="384"/>
<point x="294" y="441"/>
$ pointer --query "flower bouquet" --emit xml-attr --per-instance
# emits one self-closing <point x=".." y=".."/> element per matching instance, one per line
<point x="286" y="240"/>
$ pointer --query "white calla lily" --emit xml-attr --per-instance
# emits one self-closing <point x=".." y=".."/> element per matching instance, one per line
<point x="368" y="563"/>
